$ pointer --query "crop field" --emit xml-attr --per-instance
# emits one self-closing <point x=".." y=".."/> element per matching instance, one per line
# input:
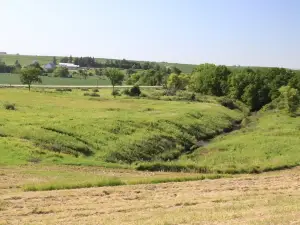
<point x="28" y="59"/>
<point x="15" y="79"/>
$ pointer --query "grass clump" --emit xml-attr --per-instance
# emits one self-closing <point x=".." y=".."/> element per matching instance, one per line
<point x="93" y="94"/>
<point x="95" y="90"/>
<point x="9" y="106"/>
<point x="102" y="182"/>
<point x="63" y="89"/>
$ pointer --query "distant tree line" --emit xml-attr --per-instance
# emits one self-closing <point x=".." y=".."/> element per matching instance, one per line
<point x="111" y="63"/>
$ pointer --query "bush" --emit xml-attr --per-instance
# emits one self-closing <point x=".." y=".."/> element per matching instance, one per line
<point x="9" y="106"/>
<point x="63" y="89"/>
<point x="94" y="94"/>
<point x="95" y="90"/>
<point x="84" y="89"/>
<point x="228" y="103"/>
<point x="91" y="94"/>
<point x="134" y="91"/>
<point x="116" y="92"/>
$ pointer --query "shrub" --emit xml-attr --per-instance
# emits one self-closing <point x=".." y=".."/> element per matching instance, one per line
<point x="95" y="90"/>
<point x="63" y="89"/>
<point x="134" y="91"/>
<point x="116" y="92"/>
<point x="9" y="106"/>
<point x="91" y="94"/>
<point x="84" y="89"/>
<point x="126" y="91"/>
<point x="228" y="103"/>
<point x="94" y="94"/>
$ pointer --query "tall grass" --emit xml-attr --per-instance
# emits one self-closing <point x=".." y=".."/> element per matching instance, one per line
<point x="114" y="181"/>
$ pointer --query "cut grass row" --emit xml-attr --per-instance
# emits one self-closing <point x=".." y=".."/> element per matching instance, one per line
<point x="114" y="181"/>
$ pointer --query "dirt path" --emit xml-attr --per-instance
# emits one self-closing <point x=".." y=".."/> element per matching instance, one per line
<point x="271" y="198"/>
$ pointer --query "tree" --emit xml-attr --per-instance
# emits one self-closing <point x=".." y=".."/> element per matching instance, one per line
<point x="61" y="72"/>
<point x="70" y="60"/>
<point x="210" y="79"/>
<point x="290" y="97"/>
<point x="177" y="82"/>
<point x="30" y="75"/>
<point x="115" y="76"/>
<point x="54" y="60"/>
<point x="83" y="73"/>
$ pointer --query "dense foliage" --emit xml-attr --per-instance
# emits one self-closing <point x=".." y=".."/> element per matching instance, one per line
<point x="254" y="87"/>
<point x="61" y="72"/>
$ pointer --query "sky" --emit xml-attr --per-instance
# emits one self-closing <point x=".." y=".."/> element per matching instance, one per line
<point x="227" y="32"/>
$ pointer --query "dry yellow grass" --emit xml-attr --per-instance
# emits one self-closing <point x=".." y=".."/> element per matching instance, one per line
<point x="270" y="198"/>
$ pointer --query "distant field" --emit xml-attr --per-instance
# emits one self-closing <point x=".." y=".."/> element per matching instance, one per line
<point x="28" y="59"/>
<point x="14" y="79"/>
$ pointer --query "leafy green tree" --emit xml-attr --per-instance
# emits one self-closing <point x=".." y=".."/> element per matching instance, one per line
<point x="177" y="82"/>
<point x="290" y="97"/>
<point x="249" y="86"/>
<point x="276" y="78"/>
<point x="210" y="79"/>
<point x="83" y="73"/>
<point x="30" y="75"/>
<point x="115" y="76"/>
<point x="61" y="72"/>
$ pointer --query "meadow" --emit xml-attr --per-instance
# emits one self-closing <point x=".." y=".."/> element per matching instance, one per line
<point x="48" y="80"/>
<point x="68" y="127"/>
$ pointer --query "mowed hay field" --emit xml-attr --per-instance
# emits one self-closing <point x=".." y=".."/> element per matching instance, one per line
<point x="264" y="199"/>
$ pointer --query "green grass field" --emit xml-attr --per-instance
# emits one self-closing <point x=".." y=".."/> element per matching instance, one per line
<point x="28" y="59"/>
<point x="15" y="79"/>
<point x="70" y="128"/>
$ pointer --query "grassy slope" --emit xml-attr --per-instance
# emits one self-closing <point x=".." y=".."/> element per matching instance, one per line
<point x="27" y="59"/>
<point x="102" y="130"/>
<point x="15" y="79"/>
<point x="271" y="141"/>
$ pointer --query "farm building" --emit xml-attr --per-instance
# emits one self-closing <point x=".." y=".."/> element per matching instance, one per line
<point x="49" y="66"/>
<point x="69" y="65"/>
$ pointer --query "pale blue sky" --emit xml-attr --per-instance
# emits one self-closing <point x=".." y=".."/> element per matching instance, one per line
<point x="230" y="32"/>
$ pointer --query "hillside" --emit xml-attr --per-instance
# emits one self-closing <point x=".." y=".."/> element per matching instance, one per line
<point x="71" y="128"/>
<point x="28" y="59"/>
